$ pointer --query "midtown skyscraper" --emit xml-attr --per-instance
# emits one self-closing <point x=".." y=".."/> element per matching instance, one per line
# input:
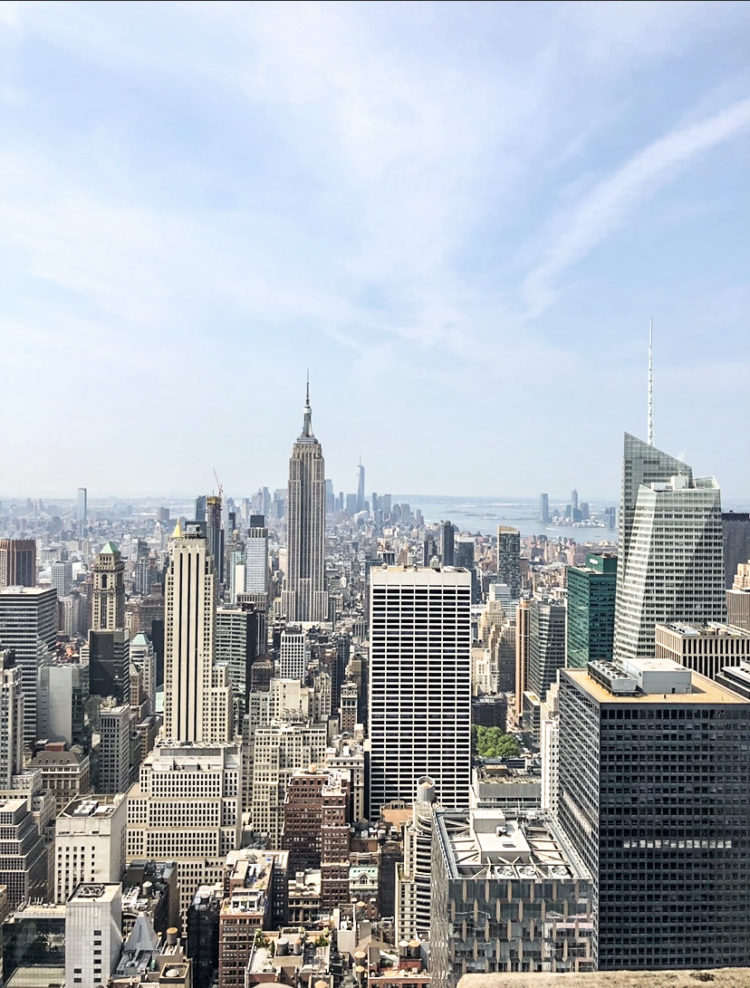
<point x="671" y="563"/>
<point x="197" y="696"/>
<point x="420" y="683"/>
<point x="305" y="597"/>
<point x="509" y="559"/>
<point x="360" y="487"/>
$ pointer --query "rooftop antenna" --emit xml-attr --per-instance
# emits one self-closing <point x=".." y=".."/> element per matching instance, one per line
<point x="651" y="382"/>
<point x="307" y="398"/>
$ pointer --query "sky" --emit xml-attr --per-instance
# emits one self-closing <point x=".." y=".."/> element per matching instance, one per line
<point x="458" y="217"/>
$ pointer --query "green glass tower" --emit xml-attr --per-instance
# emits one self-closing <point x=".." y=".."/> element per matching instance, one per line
<point x="591" y="609"/>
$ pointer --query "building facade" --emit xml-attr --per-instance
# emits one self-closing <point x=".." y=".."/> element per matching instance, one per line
<point x="591" y="609"/>
<point x="509" y="559"/>
<point x="420" y="683"/>
<point x="108" y="593"/>
<point x="17" y="563"/>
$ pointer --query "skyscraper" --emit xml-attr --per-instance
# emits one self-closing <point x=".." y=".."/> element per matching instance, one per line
<point x="544" y="509"/>
<point x="447" y="543"/>
<point x="82" y="512"/>
<point x="215" y="535"/>
<point x="671" y="540"/>
<point x="28" y="625"/>
<point x="200" y="507"/>
<point x="197" y="701"/>
<point x="420" y="683"/>
<point x="736" y="531"/>
<point x="11" y="719"/>
<point x="670" y="870"/>
<point x="591" y="609"/>
<point x="305" y="597"/>
<point x="61" y="577"/>
<point x="509" y="559"/>
<point x="108" y="594"/>
<point x="360" y="487"/>
<point x="256" y="556"/>
<point x="546" y="644"/>
<point x="17" y="563"/>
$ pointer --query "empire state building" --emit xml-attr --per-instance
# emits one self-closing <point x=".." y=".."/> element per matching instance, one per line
<point x="305" y="597"/>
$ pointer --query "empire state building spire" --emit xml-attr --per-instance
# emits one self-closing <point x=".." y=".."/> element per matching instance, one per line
<point x="305" y="597"/>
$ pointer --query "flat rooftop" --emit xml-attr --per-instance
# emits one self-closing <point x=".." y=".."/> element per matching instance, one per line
<point x="100" y="807"/>
<point x="703" y="691"/>
<point x="713" y="629"/>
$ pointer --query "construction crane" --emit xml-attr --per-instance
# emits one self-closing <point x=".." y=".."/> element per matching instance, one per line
<point x="218" y="483"/>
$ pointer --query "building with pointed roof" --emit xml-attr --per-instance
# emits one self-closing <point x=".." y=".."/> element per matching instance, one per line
<point x="305" y="597"/>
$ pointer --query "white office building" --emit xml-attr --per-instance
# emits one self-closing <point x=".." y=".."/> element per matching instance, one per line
<point x="256" y="560"/>
<point x="293" y="654"/>
<point x="93" y="940"/>
<point x="420" y="683"/>
<point x="89" y="843"/>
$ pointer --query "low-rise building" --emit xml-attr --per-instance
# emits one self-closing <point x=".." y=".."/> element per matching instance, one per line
<point x="289" y="957"/>
<point x="66" y="772"/>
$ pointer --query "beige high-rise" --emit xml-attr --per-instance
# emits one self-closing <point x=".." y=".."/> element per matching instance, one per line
<point x="108" y="597"/>
<point x="197" y="694"/>
<point x="305" y="597"/>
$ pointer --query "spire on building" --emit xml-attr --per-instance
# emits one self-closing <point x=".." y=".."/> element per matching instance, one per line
<point x="651" y="382"/>
<point x="307" y="432"/>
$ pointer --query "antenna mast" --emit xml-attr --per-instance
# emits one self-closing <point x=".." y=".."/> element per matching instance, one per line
<point x="651" y="382"/>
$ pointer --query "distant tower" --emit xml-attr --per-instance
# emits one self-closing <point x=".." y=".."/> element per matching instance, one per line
<point x="215" y="534"/>
<point x="544" y="509"/>
<point x="200" y="507"/>
<point x="108" y="595"/>
<point x="574" y="501"/>
<point x="197" y="702"/>
<point x="305" y="598"/>
<point x="360" y="486"/>
<point x="82" y="512"/>
<point x="447" y="543"/>
<point x="651" y="382"/>
<point x="509" y="559"/>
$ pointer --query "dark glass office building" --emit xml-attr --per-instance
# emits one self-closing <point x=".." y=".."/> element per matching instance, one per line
<point x="591" y="609"/>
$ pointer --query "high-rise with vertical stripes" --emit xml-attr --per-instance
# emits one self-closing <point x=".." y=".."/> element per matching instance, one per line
<point x="420" y="683"/>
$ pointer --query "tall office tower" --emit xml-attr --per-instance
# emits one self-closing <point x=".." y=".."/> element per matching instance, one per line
<point x="671" y="538"/>
<point x="414" y="874"/>
<point x="429" y="549"/>
<point x="236" y="645"/>
<point x="143" y="657"/>
<point x="93" y="940"/>
<point x="114" y="749"/>
<point x="280" y="748"/>
<point x="294" y="654"/>
<point x="23" y="862"/>
<point x="61" y="577"/>
<point x="109" y="665"/>
<point x="305" y="597"/>
<point x="108" y="594"/>
<point x="360" y="487"/>
<point x="335" y="842"/>
<point x="591" y="609"/>
<point x="670" y="873"/>
<point x="735" y="527"/>
<point x="200" y="508"/>
<point x="18" y="563"/>
<point x="544" y="509"/>
<point x="11" y="719"/>
<point x="215" y="535"/>
<point x="546" y="651"/>
<point x="256" y="556"/>
<point x="186" y="808"/>
<point x="420" y="683"/>
<point x="522" y="655"/>
<point x="509" y="559"/>
<point x="447" y="543"/>
<point x="28" y="625"/>
<point x="574" y="501"/>
<point x="89" y="843"/>
<point x="82" y="512"/>
<point x="196" y="707"/>
<point x="302" y="811"/>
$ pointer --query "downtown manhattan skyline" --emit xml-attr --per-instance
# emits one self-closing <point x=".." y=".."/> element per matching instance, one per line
<point x="459" y="217"/>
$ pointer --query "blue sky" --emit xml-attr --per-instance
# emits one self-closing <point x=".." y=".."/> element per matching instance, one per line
<point x="459" y="217"/>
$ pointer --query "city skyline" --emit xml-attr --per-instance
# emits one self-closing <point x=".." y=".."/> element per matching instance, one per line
<point x="293" y="186"/>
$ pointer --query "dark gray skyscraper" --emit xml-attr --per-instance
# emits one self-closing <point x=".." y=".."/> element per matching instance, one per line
<point x="447" y="543"/>
<point x="200" y="507"/>
<point x="17" y="563"/>
<point x="670" y="870"/>
<point x="509" y="559"/>
<point x="736" y="531"/>
<point x="305" y="598"/>
<point x="546" y="644"/>
<point x="544" y="509"/>
<point x="215" y="535"/>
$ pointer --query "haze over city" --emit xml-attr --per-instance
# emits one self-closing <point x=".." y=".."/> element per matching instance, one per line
<point x="460" y="217"/>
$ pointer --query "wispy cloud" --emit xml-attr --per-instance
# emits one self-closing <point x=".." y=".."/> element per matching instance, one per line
<point x="607" y="206"/>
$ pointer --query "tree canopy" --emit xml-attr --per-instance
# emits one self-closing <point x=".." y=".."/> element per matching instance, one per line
<point x="491" y="742"/>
